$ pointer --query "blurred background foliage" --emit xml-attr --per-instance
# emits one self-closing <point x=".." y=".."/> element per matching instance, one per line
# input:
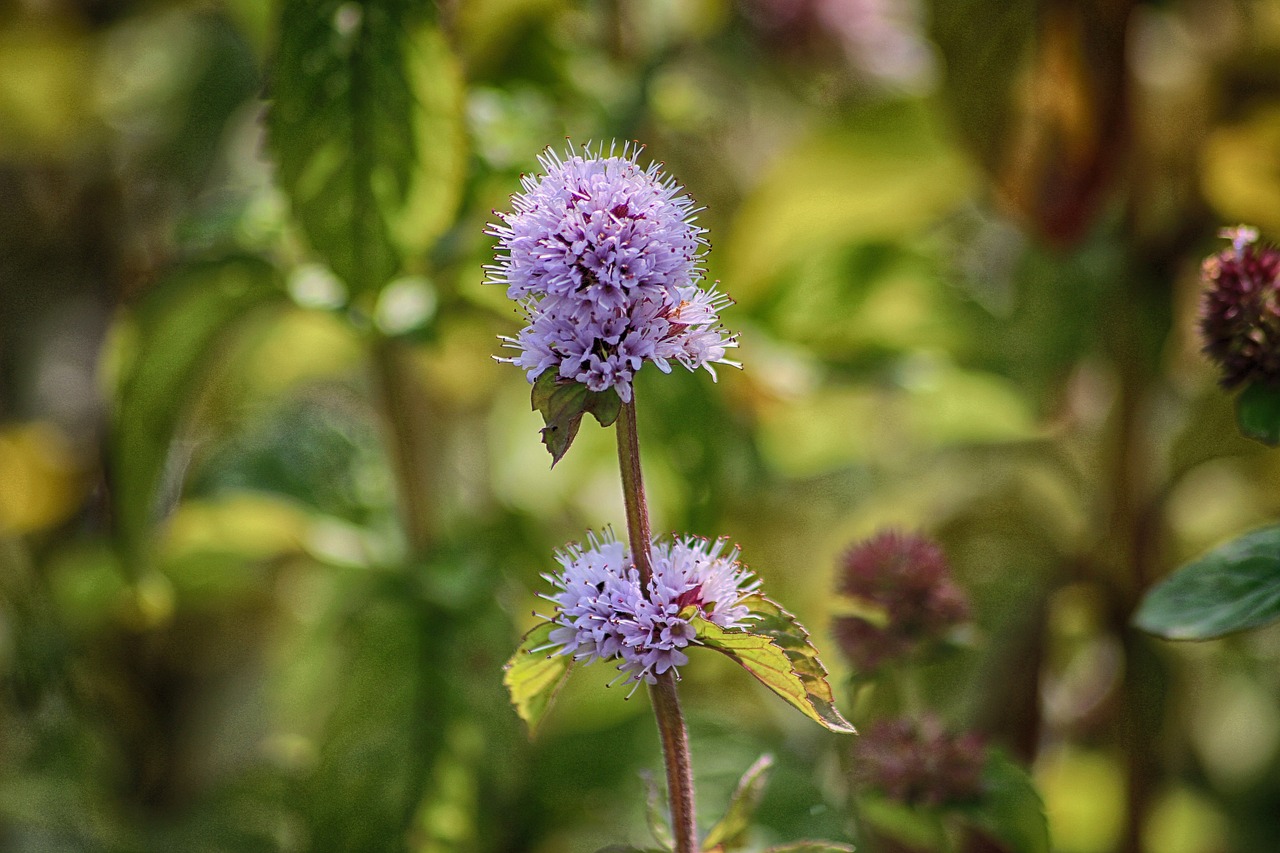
<point x="271" y="519"/>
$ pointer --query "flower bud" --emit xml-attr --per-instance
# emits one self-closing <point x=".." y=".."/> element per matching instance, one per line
<point x="1240" y="309"/>
<point x="919" y="763"/>
<point x="903" y="596"/>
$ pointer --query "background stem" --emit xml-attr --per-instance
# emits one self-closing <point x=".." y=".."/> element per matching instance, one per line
<point x="666" y="701"/>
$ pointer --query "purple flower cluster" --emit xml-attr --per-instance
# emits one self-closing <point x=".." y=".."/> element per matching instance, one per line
<point x="602" y="612"/>
<point x="1240" y="309"/>
<point x="918" y="763"/>
<point x="602" y="257"/>
<point x="904" y="585"/>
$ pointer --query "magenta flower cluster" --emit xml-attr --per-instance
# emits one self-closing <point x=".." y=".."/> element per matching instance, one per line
<point x="1240" y="309"/>
<point x="920" y="763"/>
<point x="603" y="258"/>
<point x="903" y="583"/>
<point x="602" y="613"/>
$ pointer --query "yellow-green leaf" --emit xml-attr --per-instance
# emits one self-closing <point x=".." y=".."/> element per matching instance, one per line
<point x="533" y="677"/>
<point x="789" y="668"/>
<point x="789" y="635"/>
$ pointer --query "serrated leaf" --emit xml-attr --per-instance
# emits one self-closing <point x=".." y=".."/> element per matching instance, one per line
<point x="812" y="847"/>
<point x="1234" y="587"/>
<point x="181" y="323"/>
<point x="1010" y="808"/>
<point x="533" y="678"/>
<point x="789" y="635"/>
<point x="791" y="671"/>
<point x="366" y="126"/>
<point x="1258" y="413"/>
<point x="730" y="832"/>
<point x="655" y="813"/>
<point x="562" y="405"/>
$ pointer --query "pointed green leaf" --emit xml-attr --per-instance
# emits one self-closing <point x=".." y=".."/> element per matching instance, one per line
<point x="789" y="635"/>
<point x="181" y="325"/>
<point x="1233" y="587"/>
<point x="760" y="655"/>
<point x="655" y="812"/>
<point x="562" y="405"/>
<point x="1258" y="413"/>
<point x="366" y="126"/>
<point x="812" y="847"/>
<point x="1010" y="808"/>
<point x="533" y="677"/>
<point x="730" y="832"/>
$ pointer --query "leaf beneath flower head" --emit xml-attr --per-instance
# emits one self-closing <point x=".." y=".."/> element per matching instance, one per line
<point x="789" y="635"/>
<point x="562" y="405"/>
<point x="533" y="678"/>
<point x="777" y="651"/>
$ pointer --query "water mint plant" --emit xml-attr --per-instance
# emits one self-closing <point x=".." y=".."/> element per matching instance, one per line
<point x="602" y="257"/>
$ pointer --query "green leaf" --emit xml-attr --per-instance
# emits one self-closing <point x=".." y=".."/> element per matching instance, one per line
<point x="789" y="635"/>
<point x="1258" y="413"/>
<point x="777" y="652"/>
<point x="655" y="813"/>
<point x="627" y="848"/>
<point x="562" y="405"/>
<point x="812" y="847"/>
<point x="730" y="832"/>
<point x="1233" y="587"/>
<point x="1010" y="808"/>
<point x="181" y="324"/>
<point x="533" y="677"/>
<point x="366" y="126"/>
<point x="915" y="828"/>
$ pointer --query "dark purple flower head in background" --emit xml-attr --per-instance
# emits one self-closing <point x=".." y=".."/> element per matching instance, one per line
<point x="902" y="589"/>
<point x="1240" y="309"/>
<point x="919" y="763"/>
<point x="603" y="258"/>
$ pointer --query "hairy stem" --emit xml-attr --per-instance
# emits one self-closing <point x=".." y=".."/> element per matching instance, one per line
<point x="666" y="701"/>
<point x="638" y="532"/>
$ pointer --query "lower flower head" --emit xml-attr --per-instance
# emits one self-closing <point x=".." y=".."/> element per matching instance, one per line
<point x="905" y="596"/>
<point x="602" y="613"/>
<point x="919" y="763"/>
<point x="1240" y="309"/>
<point x="602" y="257"/>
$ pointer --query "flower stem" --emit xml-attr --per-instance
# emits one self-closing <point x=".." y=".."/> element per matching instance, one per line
<point x="666" y="701"/>
<point x="638" y="532"/>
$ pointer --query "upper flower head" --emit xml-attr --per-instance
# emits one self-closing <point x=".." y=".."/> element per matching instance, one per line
<point x="603" y="258"/>
<point x="903" y="585"/>
<point x="602" y="612"/>
<point x="1240" y="309"/>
